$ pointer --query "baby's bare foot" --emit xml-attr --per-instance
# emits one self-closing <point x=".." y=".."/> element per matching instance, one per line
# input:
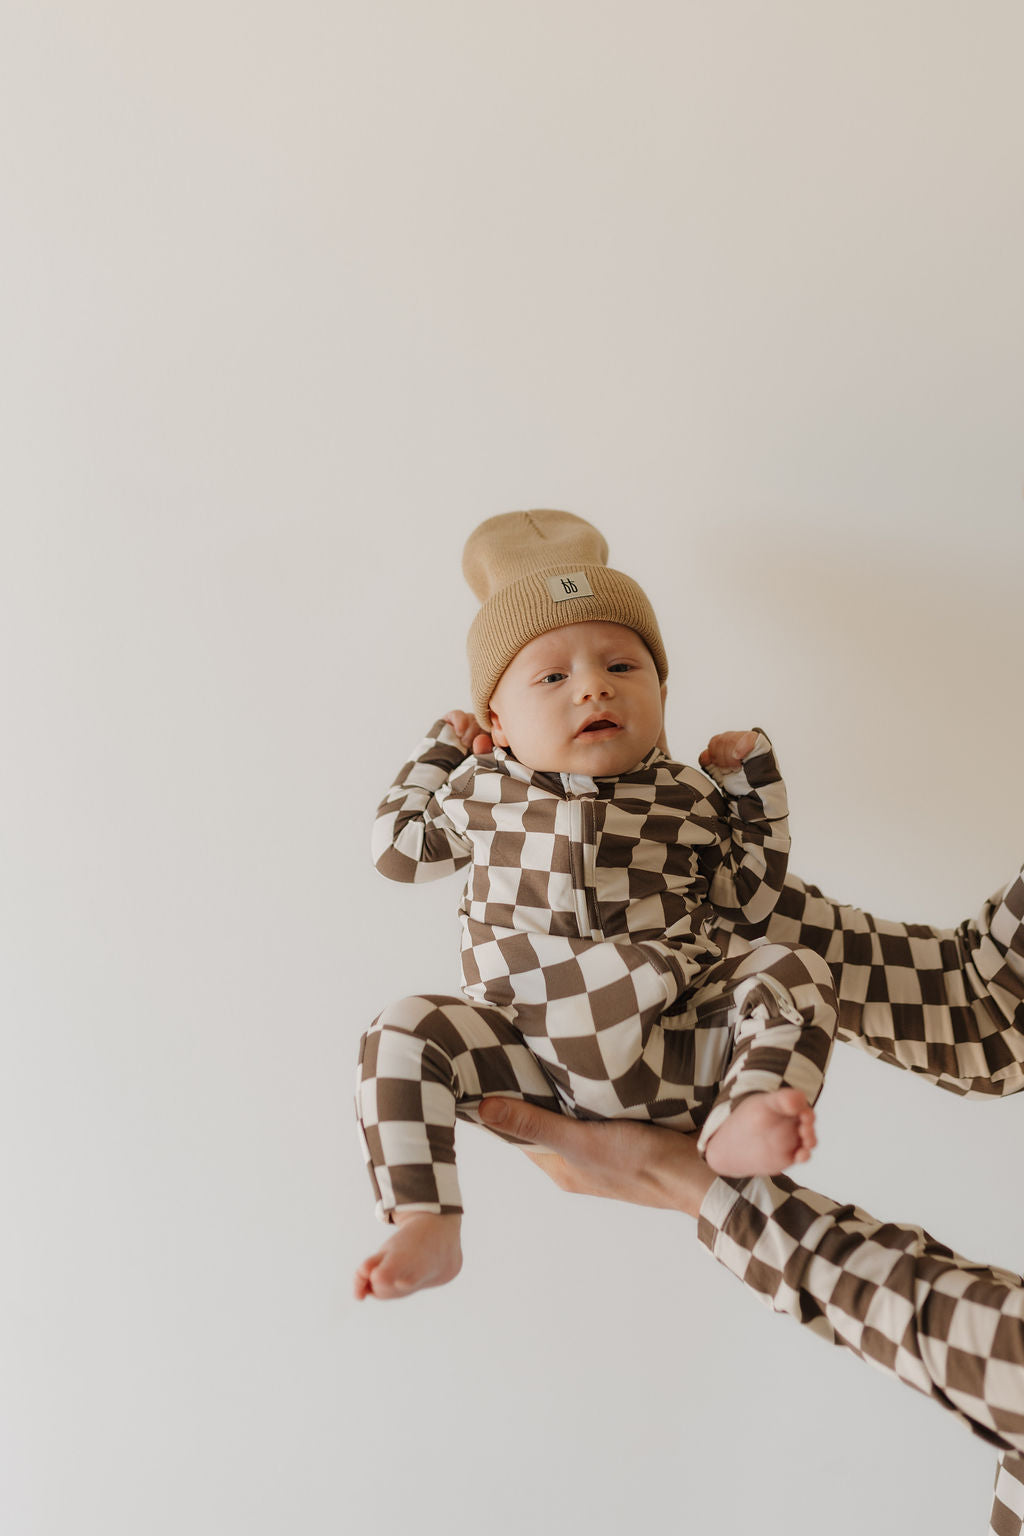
<point x="763" y="1135"/>
<point x="425" y="1250"/>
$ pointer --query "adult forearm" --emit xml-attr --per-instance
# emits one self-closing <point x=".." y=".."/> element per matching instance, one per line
<point x="944" y="1003"/>
<point x="951" y="1329"/>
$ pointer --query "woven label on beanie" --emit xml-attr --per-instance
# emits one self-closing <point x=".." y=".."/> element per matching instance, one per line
<point x="574" y="585"/>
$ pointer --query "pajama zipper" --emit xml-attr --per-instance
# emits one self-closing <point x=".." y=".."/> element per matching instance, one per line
<point x="582" y="862"/>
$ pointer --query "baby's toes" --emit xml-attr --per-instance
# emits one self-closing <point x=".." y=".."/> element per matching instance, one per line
<point x="362" y="1284"/>
<point x="392" y="1277"/>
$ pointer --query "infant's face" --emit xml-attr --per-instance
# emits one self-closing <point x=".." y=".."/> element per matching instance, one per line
<point x="581" y="699"/>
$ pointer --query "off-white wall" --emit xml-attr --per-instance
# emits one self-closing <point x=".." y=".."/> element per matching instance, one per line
<point x="294" y="296"/>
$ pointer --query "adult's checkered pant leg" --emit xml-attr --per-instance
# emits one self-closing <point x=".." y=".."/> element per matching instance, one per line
<point x="783" y="1015"/>
<point x="422" y="1062"/>
<point x="946" y="1003"/>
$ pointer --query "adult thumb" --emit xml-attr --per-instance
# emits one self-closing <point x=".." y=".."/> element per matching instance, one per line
<point x="515" y="1118"/>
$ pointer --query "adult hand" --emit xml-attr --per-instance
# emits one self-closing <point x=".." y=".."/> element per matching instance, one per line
<point x="471" y="735"/>
<point x="728" y="750"/>
<point x="618" y="1159"/>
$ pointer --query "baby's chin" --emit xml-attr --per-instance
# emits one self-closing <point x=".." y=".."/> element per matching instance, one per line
<point x="601" y="765"/>
<point x="594" y="760"/>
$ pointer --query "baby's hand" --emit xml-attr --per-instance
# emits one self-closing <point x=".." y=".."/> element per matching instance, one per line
<point x="729" y="749"/>
<point x="471" y="737"/>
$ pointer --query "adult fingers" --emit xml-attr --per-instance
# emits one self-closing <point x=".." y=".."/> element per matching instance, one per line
<point x="526" y="1121"/>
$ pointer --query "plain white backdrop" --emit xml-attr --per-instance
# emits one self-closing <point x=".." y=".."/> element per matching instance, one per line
<point x="293" y="297"/>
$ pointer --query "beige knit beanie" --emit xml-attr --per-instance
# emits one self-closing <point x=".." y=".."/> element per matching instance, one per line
<point x="533" y="572"/>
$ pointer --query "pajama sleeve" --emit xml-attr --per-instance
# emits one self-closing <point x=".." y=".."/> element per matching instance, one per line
<point x="747" y="867"/>
<point x="944" y="1003"/>
<point x="949" y="1328"/>
<point x="1008" y="1498"/>
<point x="413" y="839"/>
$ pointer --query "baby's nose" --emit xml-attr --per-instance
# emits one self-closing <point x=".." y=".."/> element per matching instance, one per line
<point x="595" y="685"/>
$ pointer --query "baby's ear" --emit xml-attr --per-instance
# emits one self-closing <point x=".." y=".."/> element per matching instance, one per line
<point x="497" y="734"/>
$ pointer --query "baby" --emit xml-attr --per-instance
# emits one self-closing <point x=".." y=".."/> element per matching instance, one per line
<point x="595" y="980"/>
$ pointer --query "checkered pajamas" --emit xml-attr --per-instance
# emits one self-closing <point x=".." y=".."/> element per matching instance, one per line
<point x="1007" y="1517"/>
<point x="762" y="1017"/>
<point x="592" y="979"/>
<point x="949" y="1328"/>
<point x="947" y="1004"/>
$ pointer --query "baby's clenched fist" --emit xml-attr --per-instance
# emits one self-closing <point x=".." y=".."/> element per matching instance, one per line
<point x="728" y="750"/>
<point x="467" y="729"/>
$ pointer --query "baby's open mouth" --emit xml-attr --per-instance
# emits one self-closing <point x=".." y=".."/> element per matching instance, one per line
<point x="594" y="726"/>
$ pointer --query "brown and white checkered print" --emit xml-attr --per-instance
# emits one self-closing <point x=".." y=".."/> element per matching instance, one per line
<point x="423" y="1060"/>
<point x="944" y="1326"/>
<point x="1008" y="1498"/>
<point x="651" y="854"/>
<point x="762" y="1018"/>
<point x="947" y="1004"/>
<point x="591" y="974"/>
<point x="949" y="1328"/>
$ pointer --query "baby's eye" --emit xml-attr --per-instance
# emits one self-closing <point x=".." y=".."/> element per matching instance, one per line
<point x="553" y="677"/>
<point x="621" y="666"/>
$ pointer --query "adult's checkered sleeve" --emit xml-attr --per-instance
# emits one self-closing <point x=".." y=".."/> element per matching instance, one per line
<point x="945" y="1003"/>
<point x="413" y="839"/>
<point x="949" y="1328"/>
<point x="1008" y="1497"/>
<point x="748" y="868"/>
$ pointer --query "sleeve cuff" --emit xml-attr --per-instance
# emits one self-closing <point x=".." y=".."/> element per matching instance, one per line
<point x="716" y="1209"/>
<point x="443" y="746"/>
<point x="757" y="769"/>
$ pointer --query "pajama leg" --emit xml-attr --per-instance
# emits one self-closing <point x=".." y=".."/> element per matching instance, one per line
<point x="947" y="1004"/>
<point x="783" y="1008"/>
<point x="421" y="1063"/>
<point x="610" y="1027"/>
